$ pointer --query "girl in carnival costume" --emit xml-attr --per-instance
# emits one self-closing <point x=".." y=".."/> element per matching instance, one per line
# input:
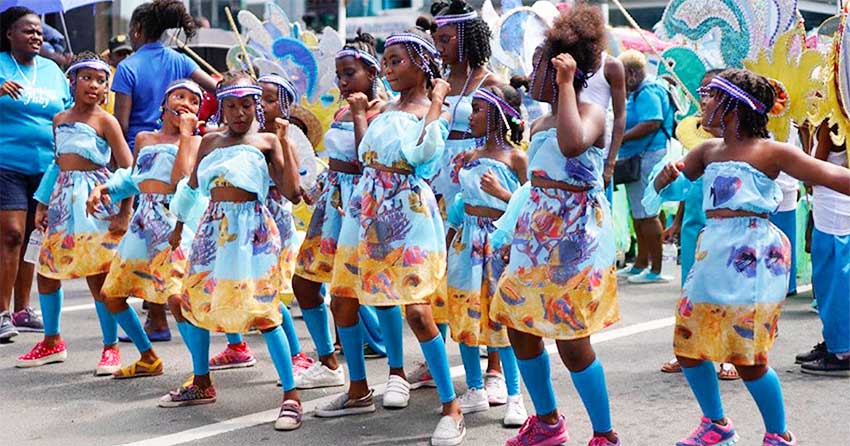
<point x="560" y="282"/>
<point x="357" y="70"/>
<point x="391" y="250"/>
<point x="233" y="281"/>
<point x="78" y="244"/>
<point x="488" y="177"/>
<point x="146" y="265"/>
<point x="735" y="320"/>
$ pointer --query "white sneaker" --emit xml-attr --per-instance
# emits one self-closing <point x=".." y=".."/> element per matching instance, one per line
<point x="397" y="393"/>
<point x="449" y="432"/>
<point x="515" y="414"/>
<point x="318" y="376"/>
<point x="497" y="391"/>
<point x="474" y="400"/>
<point x="420" y="377"/>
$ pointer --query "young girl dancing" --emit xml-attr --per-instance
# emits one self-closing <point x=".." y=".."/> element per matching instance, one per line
<point x="560" y="282"/>
<point x="488" y="177"/>
<point x="233" y="279"/>
<point x="77" y="244"/>
<point x="145" y="264"/>
<point x="391" y="250"/>
<point x="734" y="293"/>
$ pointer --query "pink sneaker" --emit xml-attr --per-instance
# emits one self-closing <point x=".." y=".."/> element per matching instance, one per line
<point x="602" y="440"/>
<point x="711" y="434"/>
<point x="300" y="363"/>
<point x="777" y="440"/>
<point x="110" y="361"/>
<point x="537" y="433"/>
<point x="233" y="357"/>
<point x="41" y="355"/>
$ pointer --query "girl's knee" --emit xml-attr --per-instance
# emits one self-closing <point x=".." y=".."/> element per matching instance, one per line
<point x="175" y="304"/>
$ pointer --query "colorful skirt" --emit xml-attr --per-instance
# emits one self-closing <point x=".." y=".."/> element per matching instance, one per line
<point x="561" y="282"/>
<point x="391" y="250"/>
<point x="316" y="258"/>
<point x="233" y="282"/>
<point x="733" y="295"/>
<point x="446" y="183"/>
<point x="281" y="210"/>
<point x="77" y="244"/>
<point x="145" y="266"/>
<point x="474" y="269"/>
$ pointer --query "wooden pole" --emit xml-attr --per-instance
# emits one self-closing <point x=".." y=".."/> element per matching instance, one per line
<point x="197" y="57"/>
<point x="241" y="43"/>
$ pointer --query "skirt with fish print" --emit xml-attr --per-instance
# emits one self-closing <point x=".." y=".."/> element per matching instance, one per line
<point x="561" y="281"/>
<point x="281" y="210"/>
<point x="392" y="249"/>
<point x="77" y="244"/>
<point x="474" y="269"/>
<point x="316" y="257"/>
<point x="233" y="281"/>
<point x="145" y="266"/>
<point x="734" y="293"/>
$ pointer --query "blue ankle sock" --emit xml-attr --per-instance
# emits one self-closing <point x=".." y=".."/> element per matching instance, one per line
<point x="706" y="388"/>
<point x="472" y="366"/>
<point x="316" y="320"/>
<point x="373" y="336"/>
<point x="351" y="339"/>
<point x="391" y="322"/>
<point x="129" y="321"/>
<point x="51" y="308"/>
<point x="198" y="341"/>
<point x="538" y="380"/>
<point x="278" y="347"/>
<point x="590" y="385"/>
<point x="438" y="362"/>
<point x="444" y="331"/>
<point x="108" y="324"/>
<point x="288" y="327"/>
<point x="510" y="369"/>
<point x="767" y="394"/>
<point x="234" y="338"/>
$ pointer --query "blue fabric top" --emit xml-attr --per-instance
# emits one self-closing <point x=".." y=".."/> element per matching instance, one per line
<point x="392" y="140"/>
<point x="155" y="162"/>
<point x="738" y="186"/>
<point x="26" y="135"/>
<point x="547" y="161"/>
<point x="650" y="102"/>
<point x="243" y="166"/>
<point x="79" y="138"/>
<point x="461" y="107"/>
<point x="339" y="142"/>
<point x="470" y="182"/>
<point x="144" y="76"/>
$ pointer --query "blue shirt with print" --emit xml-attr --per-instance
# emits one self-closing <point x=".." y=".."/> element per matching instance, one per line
<point x="650" y="102"/>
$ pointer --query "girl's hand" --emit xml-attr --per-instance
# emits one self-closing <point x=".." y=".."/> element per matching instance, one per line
<point x="440" y="90"/>
<point x="490" y="184"/>
<point x="189" y="124"/>
<point x="565" y="69"/>
<point x="119" y="223"/>
<point x="99" y="196"/>
<point x="41" y="217"/>
<point x="282" y="128"/>
<point x="358" y="102"/>
<point x="669" y="173"/>
<point x="11" y="88"/>
<point x="671" y="234"/>
<point x="177" y="236"/>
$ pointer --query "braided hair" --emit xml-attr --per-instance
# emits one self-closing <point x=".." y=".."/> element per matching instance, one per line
<point x="473" y="35"/>
<point x="365" y="42"/>
<point x="156" y="17"/>
<point x="496" y="120"/>
<point x="7" y="20"/>
<point x="424" y="60"/>
<point x="750" y="122"/>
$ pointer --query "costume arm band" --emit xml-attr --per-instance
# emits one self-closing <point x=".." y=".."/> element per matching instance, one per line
<point x="455" y="211"/>
<point x="121" y="185"/>
<point x="675" y="191"/>
<point x="48" y="181"/>
<point x="506" y="224"/>
<point x="425" y="156"/>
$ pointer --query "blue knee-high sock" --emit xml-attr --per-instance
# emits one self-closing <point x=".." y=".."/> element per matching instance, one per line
<point x="538" y="380"/>
<point x="316" y="320"/>
<point x="51" y="309"/>
<point x="706" y="388"/>
<point x="438" y="363"/>
<point x="351" y="339"/>
<point x="278" y="347"/>
<point x="390" y="320"/>
<point x="590" y="385"/>
<point x="472" y="366"/>
<point x="373" y="336"/>
<point x="288" y="327"/>
<point x="444" y="331"/>
<point x="198" y="341"/>
<point x="108" y="324"/>
<point x="767" y="394"/>
<point x="234" y="338"/>
<point x="510" y="369"/>
<point x="129" y="321"/>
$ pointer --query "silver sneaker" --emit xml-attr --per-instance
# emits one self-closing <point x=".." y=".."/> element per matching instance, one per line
<point x="420" y="377"/>
<point x="343" y="406"/>
<point x="7" y="328"/>
<point x="449" y="432"/>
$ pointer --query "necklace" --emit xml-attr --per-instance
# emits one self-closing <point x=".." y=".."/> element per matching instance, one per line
<point x="21" y="72"/>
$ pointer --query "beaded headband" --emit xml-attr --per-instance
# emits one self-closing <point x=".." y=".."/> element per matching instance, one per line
<point x="240" y="91"/>
<point x="360" y="55"/>
<point x="447" y="19"/>
<point x="416" y="45"/>
<point x="284" y="101"/>
<point x="507" y="113"/>
<point x="184" y="84"/>
<point x="94" y="64"/>
<point x="735" y="93"/>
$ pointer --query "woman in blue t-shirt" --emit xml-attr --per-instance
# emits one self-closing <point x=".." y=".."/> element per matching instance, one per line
<point x="32" y="90"/>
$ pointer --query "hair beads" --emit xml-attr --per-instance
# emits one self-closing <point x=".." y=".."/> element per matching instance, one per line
<point x="240" y="91"/>
<point x="286" y="93"/>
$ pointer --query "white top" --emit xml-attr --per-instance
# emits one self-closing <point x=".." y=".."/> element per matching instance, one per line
<point x="598" y="92"/>
<point x="831" y="210"/>
<point x="789" y="186"/>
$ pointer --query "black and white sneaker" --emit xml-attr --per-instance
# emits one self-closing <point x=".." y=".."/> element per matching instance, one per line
<point x="828" y="365"/>
<point x="7" y="328"/>
<point x="817" y="352"/>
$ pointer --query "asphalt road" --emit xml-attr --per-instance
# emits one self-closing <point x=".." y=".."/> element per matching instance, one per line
<point x="63" y="404"/>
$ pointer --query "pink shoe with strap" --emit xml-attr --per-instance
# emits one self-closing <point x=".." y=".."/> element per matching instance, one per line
<point x="233" y="357"/>
<point x="537" y="433"/>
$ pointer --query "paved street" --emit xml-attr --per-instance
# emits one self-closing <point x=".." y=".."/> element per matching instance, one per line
<point x="63" y="404"/>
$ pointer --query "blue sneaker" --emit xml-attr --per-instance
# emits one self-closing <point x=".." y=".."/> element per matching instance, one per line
<point x="648" y="277"/>
<point x="629" y="271"/>
<point x="711" y="434"/>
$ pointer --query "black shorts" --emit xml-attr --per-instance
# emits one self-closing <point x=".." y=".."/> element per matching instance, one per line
<point x="17" y="189"/>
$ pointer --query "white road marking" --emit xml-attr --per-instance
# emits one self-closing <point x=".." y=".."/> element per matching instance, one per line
<point x="269" y="416"/>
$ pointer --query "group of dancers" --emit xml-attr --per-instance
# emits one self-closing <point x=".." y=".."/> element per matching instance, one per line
<point x="428" y="207"/>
